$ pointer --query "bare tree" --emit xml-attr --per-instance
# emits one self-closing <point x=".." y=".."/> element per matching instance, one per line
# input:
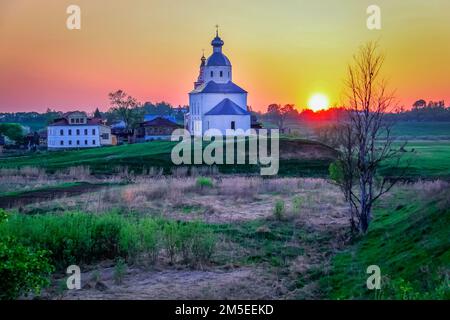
<point x="366" y="140"/>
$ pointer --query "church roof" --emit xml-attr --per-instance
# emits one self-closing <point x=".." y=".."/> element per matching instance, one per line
<point x="218" y="59"/>
<point x="214" y="87"/>
<point x="227" y="107"/>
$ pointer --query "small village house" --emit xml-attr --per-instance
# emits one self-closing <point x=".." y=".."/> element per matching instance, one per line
<point x="75" y="130"/>
<point x="156" y="128"/>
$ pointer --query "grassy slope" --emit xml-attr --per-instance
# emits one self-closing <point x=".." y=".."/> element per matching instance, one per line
<point x="410" y="244"/>
<point x="430" y="159"/>
<point x="151" y="154"/>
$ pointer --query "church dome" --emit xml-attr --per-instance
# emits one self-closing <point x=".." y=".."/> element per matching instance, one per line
<point x="217" y="42"/>
<point x="218" y="59"/>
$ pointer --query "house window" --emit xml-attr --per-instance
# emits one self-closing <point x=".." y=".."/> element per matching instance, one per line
<point x="233" y="125"/>
<point x="212" y="74"/>
<point x="78" y="120"/>
<point x="78" y="132"/>
<point x="85" y="142"/>
<point x="70" y="142"/>
<point x="78" y="142"/>
<point x="61" y="142"/>
<point x="93" y="132"/>
<point x="61" y="132"/>
<point x="105" y="136"/>
<point x="70" y="132"/>
<point x="85" y="132"/>
<point x="72" y="120"/>
<point x="93" y="142"/>
<point x="221" y="74"/>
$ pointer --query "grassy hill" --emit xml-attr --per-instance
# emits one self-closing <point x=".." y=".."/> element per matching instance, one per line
<point x="298" y="157"/>
<point x="409" y="243"/>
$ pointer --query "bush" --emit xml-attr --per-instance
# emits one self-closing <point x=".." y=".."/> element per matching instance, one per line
<point x="120" y="270"/>
<point x="279" y="209"/>
<point x="204" y="182"/>
<point x="296" y="204"/>
<point x="22" y="269"/>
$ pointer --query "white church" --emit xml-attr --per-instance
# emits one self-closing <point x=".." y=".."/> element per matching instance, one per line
<point x="216" y="102"/>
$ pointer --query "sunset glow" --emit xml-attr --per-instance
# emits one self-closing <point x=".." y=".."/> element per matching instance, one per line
<point x="152" y="50"/>
<point x="318" y="102"/>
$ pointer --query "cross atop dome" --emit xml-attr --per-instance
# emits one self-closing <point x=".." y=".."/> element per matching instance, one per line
<point x="217" y="43"/>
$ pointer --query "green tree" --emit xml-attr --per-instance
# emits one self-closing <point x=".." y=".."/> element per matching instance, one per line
<point x="13" y="131"/>
<point x="127" y="109"/>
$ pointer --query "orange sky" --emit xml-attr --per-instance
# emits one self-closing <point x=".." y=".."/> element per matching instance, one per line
<point x="281" y="51"/>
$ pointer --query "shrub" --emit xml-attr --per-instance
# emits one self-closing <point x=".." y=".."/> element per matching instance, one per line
<point x="296" y="204"/>
<point x="120" y="270"/>
<point x="22" y="269"/>
<point x="204" y="182"/>
<point x="279" y="209"/>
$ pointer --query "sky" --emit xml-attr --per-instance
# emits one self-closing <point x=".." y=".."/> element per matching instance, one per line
<point x="281" y="51"/>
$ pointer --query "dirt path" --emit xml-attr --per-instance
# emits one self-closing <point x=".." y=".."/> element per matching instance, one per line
<point x="138" y="284"/>
<point x="47" y="194"/>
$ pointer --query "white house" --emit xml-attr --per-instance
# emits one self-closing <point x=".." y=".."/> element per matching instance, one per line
<point x="216" y="102"/>
<point x="76" y="130"/>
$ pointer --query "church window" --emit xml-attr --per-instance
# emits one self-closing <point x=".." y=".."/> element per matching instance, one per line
<point x="233" y="125"/>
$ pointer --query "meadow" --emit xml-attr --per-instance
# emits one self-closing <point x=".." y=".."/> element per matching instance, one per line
<point x="141" y="228"/>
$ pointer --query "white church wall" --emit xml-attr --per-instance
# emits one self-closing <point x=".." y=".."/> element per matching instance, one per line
<point x="223" y="122"/>
<point x="215" y="76"/>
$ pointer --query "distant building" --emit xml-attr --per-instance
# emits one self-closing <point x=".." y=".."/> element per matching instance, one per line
<point x="159" y="128"/>
<point x="119" y="132"/>
<point x="76" y="130"/>
<point x="2" y="143"/>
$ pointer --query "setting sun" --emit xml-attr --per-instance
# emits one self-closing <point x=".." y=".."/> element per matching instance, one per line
<point x="318" y="102"/>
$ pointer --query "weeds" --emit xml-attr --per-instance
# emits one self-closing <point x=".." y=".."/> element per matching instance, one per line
<point x="279" y="209"/>
<point x="77" y="238"/>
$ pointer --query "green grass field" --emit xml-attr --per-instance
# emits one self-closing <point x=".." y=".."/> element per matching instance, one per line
<point x="422" y="130"/>
<point x="425" y="159"/>
<point x="157" y="154"/>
